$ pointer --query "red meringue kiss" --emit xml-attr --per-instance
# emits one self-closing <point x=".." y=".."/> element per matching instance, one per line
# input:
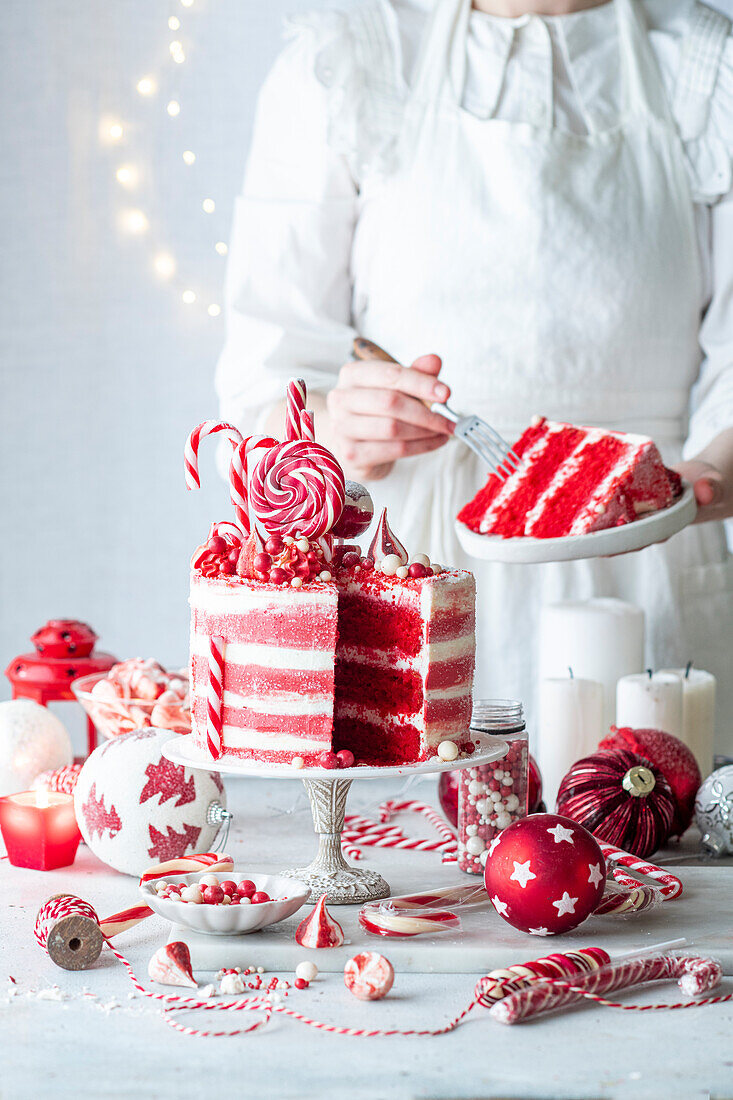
<point x="319" y="929"/>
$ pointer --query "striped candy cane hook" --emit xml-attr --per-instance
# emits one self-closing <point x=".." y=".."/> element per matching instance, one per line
<point x="191" y="451"/>
<point x="239" y="475"/>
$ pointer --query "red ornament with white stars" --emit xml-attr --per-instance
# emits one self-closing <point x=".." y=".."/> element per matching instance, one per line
<point x="545" y="874"/>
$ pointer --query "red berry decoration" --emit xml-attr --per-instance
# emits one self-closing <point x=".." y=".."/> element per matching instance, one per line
<point x="621" y="798"/>
<point x="448" y="796"/>
<point x="534" y="790"/>
<point x="545" y="874"/>
<point x="675" y="761"/>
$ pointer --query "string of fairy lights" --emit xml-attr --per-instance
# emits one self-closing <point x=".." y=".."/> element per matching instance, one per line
<point x="134" y="220"/>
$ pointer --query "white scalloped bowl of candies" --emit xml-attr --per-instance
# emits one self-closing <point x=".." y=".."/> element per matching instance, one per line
<point x="197" y="901"/>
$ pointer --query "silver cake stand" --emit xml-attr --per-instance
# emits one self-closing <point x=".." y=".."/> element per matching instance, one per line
<point x="329" y="873"/>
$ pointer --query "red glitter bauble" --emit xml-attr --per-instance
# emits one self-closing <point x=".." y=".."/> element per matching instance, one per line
<point x="448" y="796"/>
<point x="545" y="874"/>
<point x="621" y="798"/>
<point x="534" y="790"/>
<point x="675" y="761"/>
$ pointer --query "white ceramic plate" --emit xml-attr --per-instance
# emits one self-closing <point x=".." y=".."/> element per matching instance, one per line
<point x="599" y="544"/>
<point x="230" y="920"/>
<point x="183" y="750"/>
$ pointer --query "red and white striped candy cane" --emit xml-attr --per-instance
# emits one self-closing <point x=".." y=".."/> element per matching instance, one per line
<point x="295" y="398"/>
<point x="297" y="486"/>
<point x="191" y="451"/>
<point x="670" y="886"/>
<point x="239" y="474"/>
<point x="203" y="861"/>
<point x="215" y="696"/>
<point x="431" y="815"/>
<point x="307" y="427"/>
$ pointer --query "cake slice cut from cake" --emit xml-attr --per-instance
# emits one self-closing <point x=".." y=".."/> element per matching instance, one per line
<point x="572" y="481"/>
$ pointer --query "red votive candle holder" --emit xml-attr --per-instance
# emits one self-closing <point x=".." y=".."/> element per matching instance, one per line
<point x="39" y="829"/>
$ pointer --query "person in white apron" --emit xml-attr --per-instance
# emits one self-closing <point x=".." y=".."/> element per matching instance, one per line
<point x="542" y="202"/>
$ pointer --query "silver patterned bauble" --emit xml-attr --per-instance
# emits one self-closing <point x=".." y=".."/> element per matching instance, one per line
<point x="714" y="811"/>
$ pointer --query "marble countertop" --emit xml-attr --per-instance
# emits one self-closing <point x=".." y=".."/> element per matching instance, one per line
<point x="94" y="1036"/>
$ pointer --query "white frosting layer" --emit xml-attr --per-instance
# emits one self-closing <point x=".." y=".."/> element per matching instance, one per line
<point x="221" y="598"/>
<point x="292" y="703"/>
<point x="268" y="656"/>
<point x="238" y="737"/>
<point x="433" y="654"/>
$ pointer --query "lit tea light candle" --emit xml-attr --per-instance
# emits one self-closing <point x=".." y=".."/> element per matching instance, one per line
<point x="39" y="829"/>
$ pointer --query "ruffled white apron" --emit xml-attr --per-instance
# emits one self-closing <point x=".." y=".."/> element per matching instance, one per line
<point x="557" y="274"/>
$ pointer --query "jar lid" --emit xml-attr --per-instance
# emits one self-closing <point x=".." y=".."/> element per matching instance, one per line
<point x="499" y="716"/>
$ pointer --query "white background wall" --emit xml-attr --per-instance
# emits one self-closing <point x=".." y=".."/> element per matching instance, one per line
<point x="104" y="371"/>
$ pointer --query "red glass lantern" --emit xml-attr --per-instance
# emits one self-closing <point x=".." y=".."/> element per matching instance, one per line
<point x="64" y="651"/>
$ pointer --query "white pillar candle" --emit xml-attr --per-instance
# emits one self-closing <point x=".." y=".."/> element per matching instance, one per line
<point x="698" y="714"/>
<point x="600" y="639"/>
<point x="570" y="727"/>
<point x="651" y="702"/>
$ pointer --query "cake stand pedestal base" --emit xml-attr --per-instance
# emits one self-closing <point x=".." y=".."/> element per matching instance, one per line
<point x="329" y="873"/>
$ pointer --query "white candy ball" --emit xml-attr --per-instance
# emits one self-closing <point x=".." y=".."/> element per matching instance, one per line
<point x="209" y="880"/>
<point x="389" y="565"/>
<point x="483" y="806"/>
<point x="304" y="545"/>
<point x="475" y="787"/>
<point x="495" y="796"/>
<point x="306" y="970"/>
<point x="512" y="803"/>
<point x="324" y="575"/>
<point x="192" y="894"/>
<point x="32" y="740"/>
<point x="447" y="750"/>
<point x="503" y="820"/>
<point x="297" y="762"/>
<point x="420" y="559"/>
<point x="402" y="572"/>
<point x="471" y="830"/>
<point x="484" y="856"/>
<point x="475" y="845"/>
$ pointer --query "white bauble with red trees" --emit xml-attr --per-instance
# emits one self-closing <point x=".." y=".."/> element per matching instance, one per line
<point x="545" y="874"/>
<point x="136" y="808"/>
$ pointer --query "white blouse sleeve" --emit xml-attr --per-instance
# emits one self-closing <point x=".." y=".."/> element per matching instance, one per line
<point x="288" y="287"/>
<point x="711" y="158"/>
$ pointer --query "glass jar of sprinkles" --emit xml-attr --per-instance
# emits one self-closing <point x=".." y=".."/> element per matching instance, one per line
<point x="492" y="796"/>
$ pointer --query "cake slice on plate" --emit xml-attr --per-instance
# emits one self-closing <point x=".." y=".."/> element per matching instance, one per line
<point x="572" y="481"/>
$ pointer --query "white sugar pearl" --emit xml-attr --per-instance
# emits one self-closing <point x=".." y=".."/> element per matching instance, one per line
<point x="288" y="540"/>
<point x="472" y="773"/>
<point x="471" y="830"/>
<point x="512" y="803"/>
<point x="402" y="573"/>
<point x="306" y="970"/>
<point x="160" y="886"/>
<point x="297" y="762"/>
<point x="209" y="880"/>
<point x="245" y="901"/>
<point x="226" y="900"/>
<point x="296" y="582"/>
<point x="494" y="796"/>
<point x="304" y="545"/>
<point x="439" y="569"/>
<point x="484" y="856"/>
<point x="475" y="845"/>
<point x="474" y="787"/>
<point x="389" y="565"/>
<point x="447" y="750"/>
<point x="507" y="780"/>
<point x="325" y="575"/>
<point x="503" y="820"/>
<point x="192" y="894"/>
<point x="420" y="559"/>
<point x="483" y="805"/>
<point x="499" y="773"/>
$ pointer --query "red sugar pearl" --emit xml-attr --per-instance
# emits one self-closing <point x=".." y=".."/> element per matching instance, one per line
<point x="274" y="544"/>
<point x="367" y="564"/>
<point x="262" y="562"/>
<point x="345" y="758"/>
<point x="213" y="895"/>
<point x="246" y="888"/>
<point x="229" y="887"/>
<point x="350" y="559"/>
<point x="260" y="896"/>
<point x="216" y="544"/>
<point x="301" y="983"/>
<point x="328" y="760"/>
<point x="277" y="575"/>
<point x="417" y="571"/>
<point x="228" y="568"/>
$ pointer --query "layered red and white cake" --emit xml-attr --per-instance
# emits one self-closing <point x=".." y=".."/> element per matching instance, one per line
<point x="306" y="651"/>
<point x="572" y="481"/>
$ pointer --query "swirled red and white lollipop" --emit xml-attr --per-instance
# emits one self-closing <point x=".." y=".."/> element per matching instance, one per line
<point x="297" y="487"/>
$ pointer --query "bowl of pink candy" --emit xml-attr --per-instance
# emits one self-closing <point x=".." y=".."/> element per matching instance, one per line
<point x="134" y="694"/>
<point x="230" y="904"/>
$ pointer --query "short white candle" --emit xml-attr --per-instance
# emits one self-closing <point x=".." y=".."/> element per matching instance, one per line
<point x="600" y="639"/>
<point x="570" y="727"/>
<point x="698" y="714"/>
<point x="649" y="701"/>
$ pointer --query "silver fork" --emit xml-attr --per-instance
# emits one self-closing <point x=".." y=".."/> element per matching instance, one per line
<point x="483" y="440"/>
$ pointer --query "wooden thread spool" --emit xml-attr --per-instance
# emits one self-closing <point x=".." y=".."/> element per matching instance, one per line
<point x="73" y="941"/>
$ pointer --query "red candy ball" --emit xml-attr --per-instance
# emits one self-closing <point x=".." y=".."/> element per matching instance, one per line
<point x="534" y="795"/>
<point x="345" y="758"/>
<point x="216" y="544"/>
<point x="300" y="983"/>
<point x="277" y="575"/>
<point x="448" y="796"/>
<point x="229" y="887"/>
<point x="350" y="559"/>
<point x="675" y="761"/>
<point x="213" y="895"/>
<point x="274" y="544"/>
<point x="417" y="571"/>
<point x="328" y="760"/>
<point x="260" y="896"/>
<point x="545" y="874"/>
<point x="246" y="888"/>
<point x="262" y="562"/>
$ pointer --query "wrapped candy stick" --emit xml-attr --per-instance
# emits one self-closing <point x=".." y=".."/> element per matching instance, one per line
<point x="418" y="914"/>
